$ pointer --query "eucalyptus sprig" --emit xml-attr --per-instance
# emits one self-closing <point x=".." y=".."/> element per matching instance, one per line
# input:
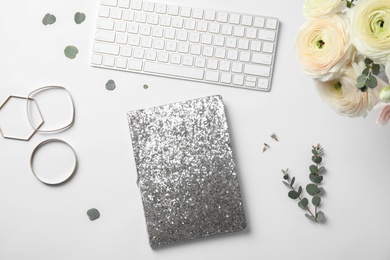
<point x="350" y="4"/>
<point x="367" y="79"/>
<point x="313" y="189"/>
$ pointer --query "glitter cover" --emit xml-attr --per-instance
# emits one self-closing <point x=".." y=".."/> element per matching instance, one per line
<point x="186" y="172"/>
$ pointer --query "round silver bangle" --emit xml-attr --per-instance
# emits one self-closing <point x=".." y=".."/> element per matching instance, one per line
<point x="52" y="130"/>
<point x="36" y="150"/>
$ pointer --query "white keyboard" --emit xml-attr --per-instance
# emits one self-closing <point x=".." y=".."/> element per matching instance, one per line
<point x="217" y="47"/>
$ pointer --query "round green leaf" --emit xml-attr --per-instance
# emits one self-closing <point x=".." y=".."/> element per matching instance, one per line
<point x="293" y="194"/>
<point x="316" y="201"/>
<point x="312" y="176"/>
<point x="318" y="179"/>
<point x="79" y="18"/>
<point x="313" y="169"/>
<point x="371" y="82"/>
<point x="146" y="86"/>
<point x="376" y="69"/>
<point x="314" y="151"/>
<point x="93" y="214"/>
<point x="312" y="189"/>
<point x="305" y="202"/>
<point x="285" y="176"/>
<point x="110" y="85"/>
<point x="360" y="85"/>
<point x="366" y="71"/>
<point x="368" y="61"/>
<point x="49" y="19"/>
<point x="286" y="183"/>
<point x="362" y="78"/>
<point x="71" y="52"/>
<point x="363" y="89"/>
<point x="320" y="216"/>
<point x="301" y="205"/>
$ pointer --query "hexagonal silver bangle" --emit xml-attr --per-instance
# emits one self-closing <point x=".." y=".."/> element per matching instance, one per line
<point x="51" y="130"/>
<point x="68" y="177"/>
<point x="34" y="128"/>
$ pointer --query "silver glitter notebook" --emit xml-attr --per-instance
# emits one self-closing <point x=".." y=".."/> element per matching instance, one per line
<point x="186" y="172"/>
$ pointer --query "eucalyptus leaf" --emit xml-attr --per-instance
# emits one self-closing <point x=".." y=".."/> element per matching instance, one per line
<point x="310" y="217"/>
<point x="362" y="78"/>
<point x="48" y="19"/>
<point x="293" y="194"/>
<point x="321" y="192"/>
<point x="363" y="89"/>
<point x="300" y="204"/>
<point x="93" y="214"/>
<point x="375" y="69"/>
<point x="316" y="159"/>
<point x="110" y="85"/>
<point x="79" y="18"/>
<point x="292" y="181"/>
<point x="318" y="179"/>
<point x="314" y="151"/>
<point x="320" y="216"/>
<point x="316" y="201"/>
<point x="305" y="202"/>
<point x="312" y="176"/>
<point x="321" y="169"/>
<point x="285" y="176"/>
<point x="71" y="52"/>
<point x="312" y="189"/>
<point x="361" y="85"/>
<point x="313" y="169"/>
<point x="368" y="61"/>
<point x="286" y="183"/>
<point x="371" y="82"/>
<point x="299" y="190"/>
<point x="146" y="86"/>
<point x="366" y="71"/>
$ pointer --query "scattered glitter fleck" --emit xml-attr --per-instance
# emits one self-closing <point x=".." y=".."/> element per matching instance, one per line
<point x="146" y="86"/>
<point x="110" y="85"/>
<point x="93" y="214"/>
<point x="187" y="176"/>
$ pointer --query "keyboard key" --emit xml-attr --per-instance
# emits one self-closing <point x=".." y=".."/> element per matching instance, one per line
<point x="268" y="47"/>
<point x="271" y="23"/>
<point x="133" y="28"/>
<point x="109" y="61"/>
<point x="219" y="40"/>
<point x="255" y="45"/>
<point x="250" y="84"/>
<point x="97" y="59"/>
<point x="212" y="64"/>
<point x="239" y="31"/>
<point x="220" y="53"/>
<point x="106" y="48"/>
<point x="177" y="22"/>
<point x="175" y="58"/>
<point x="195" y="49"/>
<point x="245" y="56"/>
<point x="145" y="30"/>
<point x="227" y="29"/>
<point x="138" y="53"/>
<point x="105" y="24"/>
<point x="173" y="9"/>
<point x="200" y="62"/>
<point x="161" y="8"/>
<point x="105" y="36"/>
<point x="250" y="33"/>
<point x="212" y="76"/>
<point x="238" y="80"/>
<point x="158" y="44"/>
<point x="116" y="13"/>
<point x="124" y="3"/>
<point x="201" y="26"/>
<point x="140" y="17"/>
<point x="261" y="58"/>
<point x="183" y="47"/>
<point x="148" y="6"/>
<point x="134" y="64"/>
<point x="257" y="70"/>
<point x="126" y="51"/>
<point x="267" y="35"/>
<point x="236" y="67"/>
<point x="109" y="2"/>
<point x="157" y="32"/>
<point x="214" y="27"/>
<point x="222" y="17"/>
<point x="121" y="63"/>
<point x="121" y="38"/>
<point x="120" y="26"/>
<point x="226" y="78"/>
<point x="146" y="42"/>
<point x="170" y="46"/>
<point x="250" y="78"/>
<point x="247" y="20"/>
<point x="152" y="19"/>
<point x="165" y="69"/>
<point x="128" y="15"/>
<point x="207" y="38"/>
<point x="224" y="66"/>
<point x="104" y="11"/>
<point x="185" y="11"/>
<point x="232" y="54"/>
<point x="231" y="42"/>
<point x="170" y="33"/>
<point x="181" y="35"/>
<point x="189" y="24"/>
<point x="209" y="15"/>
<point x="259" y="22"/>
<point x="197" y="13"/>
<point x="136" y="5"/>
<point x="134" y="40"/>
<point x="263" y="83"/>
<point x="243" y="44"/>
<point x="188" y="60"/>
<point x="165" y="21"/>
<point x="208" y="51"/>
<point x="194" y="37"/>
<point x="163" y="56"/>
<point x="234" y="18"/>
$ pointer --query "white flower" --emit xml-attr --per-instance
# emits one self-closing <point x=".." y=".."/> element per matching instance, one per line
<point x="370" y="29"/>
<point x="315" y="8"/>
<point x="383" y="116"/>
<point x="323" y="47"/>
<point x="343" y="96"/>
<point x="384" y="94"/>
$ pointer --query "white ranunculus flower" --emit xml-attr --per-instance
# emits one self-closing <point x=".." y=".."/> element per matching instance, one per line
<point x="370" y="29"/>
<point x="323" y="47"/>
<point x="343" y="96"/>
<point x="315" y="8"/>
<point x="384" y="94"/>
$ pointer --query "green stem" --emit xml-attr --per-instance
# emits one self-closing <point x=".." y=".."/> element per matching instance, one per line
<point x="300" y="199"/>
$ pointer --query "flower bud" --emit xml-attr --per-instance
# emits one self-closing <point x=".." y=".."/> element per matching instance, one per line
<point x="384" y="94"/>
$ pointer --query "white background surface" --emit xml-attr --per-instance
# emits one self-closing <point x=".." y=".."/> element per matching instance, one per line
<point x="39" y="222"/>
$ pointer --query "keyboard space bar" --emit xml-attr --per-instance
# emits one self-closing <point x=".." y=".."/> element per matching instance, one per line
<point x="170" y="70"/>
